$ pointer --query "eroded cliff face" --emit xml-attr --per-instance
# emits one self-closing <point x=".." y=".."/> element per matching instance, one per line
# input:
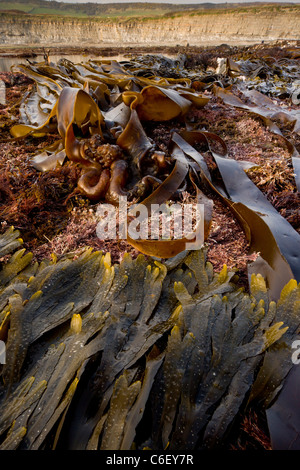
<point x="230" y="28"/>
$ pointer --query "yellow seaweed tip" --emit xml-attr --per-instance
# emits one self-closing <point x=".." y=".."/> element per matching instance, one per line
<point x="175" y="331"/>
<point x="274" y="333"/>
<point x="107" y="260"/>
<point x="288" y="288"/>
<point x="258" y="283"/>
<point x="223" y="274"/>
<point x="178" y="286"/>
<point x="177" y="312"/>
<point x="155" y="273"/>
<point x="36" y="295"/>
<point x="76" y="323"/>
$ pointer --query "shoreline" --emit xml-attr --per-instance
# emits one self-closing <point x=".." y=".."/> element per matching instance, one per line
<point x="28" y="50"/>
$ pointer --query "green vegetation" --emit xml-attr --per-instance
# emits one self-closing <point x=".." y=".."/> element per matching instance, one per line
<point x="129" y="10"/>
<point x="52" y="11"/>
<point x="25" y="7"/>
<point x="37" y="7"/>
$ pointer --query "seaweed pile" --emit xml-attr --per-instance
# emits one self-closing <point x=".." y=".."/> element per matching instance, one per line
<point x="137" y="355"/>
<point x="158" y="351"/>
<point x="101" y="110"/>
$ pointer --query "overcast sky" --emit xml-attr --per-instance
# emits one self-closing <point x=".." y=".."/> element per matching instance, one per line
<point x="173" y="1"/>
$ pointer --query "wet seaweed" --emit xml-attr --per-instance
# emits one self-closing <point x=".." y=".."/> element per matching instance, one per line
<point x="109" y="100"/>
<point x="91" y="346"/>
<point x="96" y="351"/>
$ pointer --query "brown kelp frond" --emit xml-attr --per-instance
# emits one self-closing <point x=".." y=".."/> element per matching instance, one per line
<point x="105" y="113"/>
<point x="159" y="351"/>
<point x="80" y="119"/>
<point x="137" y="354"/>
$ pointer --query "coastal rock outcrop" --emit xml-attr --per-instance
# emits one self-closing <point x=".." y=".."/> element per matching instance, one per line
<point x="195" y="29"/>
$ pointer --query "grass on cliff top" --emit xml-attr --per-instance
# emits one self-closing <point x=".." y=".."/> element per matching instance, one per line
<point x="33" y="9"/>
<point x="40" y="7"/>
<point x="130" y="11"/>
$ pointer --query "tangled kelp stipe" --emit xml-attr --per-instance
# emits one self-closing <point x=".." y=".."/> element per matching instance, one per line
<point x="136" y="355"/>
